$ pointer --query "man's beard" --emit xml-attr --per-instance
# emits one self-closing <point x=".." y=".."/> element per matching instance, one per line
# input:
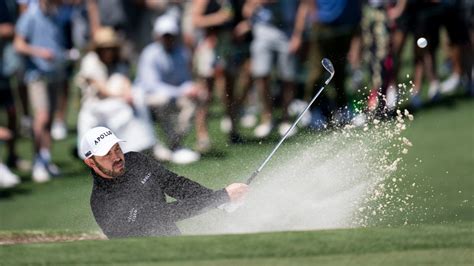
<point x="109" y="172"/>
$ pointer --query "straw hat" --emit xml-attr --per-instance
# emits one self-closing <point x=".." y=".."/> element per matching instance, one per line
<point x="105" y="38"/>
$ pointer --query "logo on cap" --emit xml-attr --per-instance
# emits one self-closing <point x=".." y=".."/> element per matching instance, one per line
<point x="102" y="136"/>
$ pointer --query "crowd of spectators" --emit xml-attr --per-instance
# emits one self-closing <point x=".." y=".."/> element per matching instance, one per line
<point x="144" y="64"/>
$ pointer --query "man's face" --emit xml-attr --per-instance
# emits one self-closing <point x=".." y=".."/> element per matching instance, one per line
<point x="108" y="55"/>
<point x="169" y="42"/>
<point x="112" y="164"/>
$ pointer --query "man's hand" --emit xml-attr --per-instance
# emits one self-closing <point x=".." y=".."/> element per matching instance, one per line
<point x="5" y="134"/>
<point x="45" y="54"/>
<point x="237" y="191"/>
<point x="241" y="29"/>
<point x="295" y="44"/>
<point x="196" y="92"/>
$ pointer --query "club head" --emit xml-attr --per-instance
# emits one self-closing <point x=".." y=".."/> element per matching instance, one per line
<point x="327" y="64"/>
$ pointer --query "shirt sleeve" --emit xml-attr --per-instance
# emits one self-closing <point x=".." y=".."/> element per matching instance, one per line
<point x="191" y="197"/>
<point x="150" y="78"/>
<point x="23" y="27"/>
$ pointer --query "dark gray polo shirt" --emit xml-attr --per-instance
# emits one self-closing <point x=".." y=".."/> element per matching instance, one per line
<point x="134" y="204"/>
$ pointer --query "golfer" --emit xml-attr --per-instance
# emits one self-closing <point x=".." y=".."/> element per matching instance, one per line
<point x="129" y="191"/>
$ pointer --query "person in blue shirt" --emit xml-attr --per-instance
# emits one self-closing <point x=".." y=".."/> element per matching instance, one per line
<point x="333" y="25"/>
<point x="39" y="37"/>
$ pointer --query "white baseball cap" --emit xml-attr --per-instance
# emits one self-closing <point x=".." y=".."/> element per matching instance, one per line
<point x="98" y="141"/>
<point x="166" y="24"/>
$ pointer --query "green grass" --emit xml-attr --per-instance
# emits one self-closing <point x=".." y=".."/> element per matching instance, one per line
<point x="438" y="244"/>
<point x="441" y="163"/>
<point x="443" y="140"/>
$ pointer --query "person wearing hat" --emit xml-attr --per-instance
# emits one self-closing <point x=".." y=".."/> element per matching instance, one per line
<point x="164" y="75"/>
<point x="107" y="98"/>
<point x="129" y="190"/>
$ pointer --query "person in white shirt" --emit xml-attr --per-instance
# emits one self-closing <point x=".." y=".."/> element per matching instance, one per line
<point x="107" y="97"/>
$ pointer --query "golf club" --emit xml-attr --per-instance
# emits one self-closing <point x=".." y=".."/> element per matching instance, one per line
<point x="329" y="68"/>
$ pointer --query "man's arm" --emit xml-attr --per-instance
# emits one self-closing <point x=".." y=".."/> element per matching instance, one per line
<point x="300" y="22"/>
<point x="191" y="197"/>
<point x="22" y="47"/>
<point x="93" y="15"/>
<point x="6" y="31"/>
<point x="5" y="134"/>
<point x="201" y="20"/>
<point x="21" y="44"/>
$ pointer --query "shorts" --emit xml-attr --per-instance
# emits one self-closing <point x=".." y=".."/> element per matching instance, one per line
<point x="408" y="19"/>
<point x="456" y="26"/>
<point x="230" y="53"/>
<point x="43" y="95"/>
<point x="225" y="54"/>
<point x="6" y="98"/>
<point x="267" y="42"/>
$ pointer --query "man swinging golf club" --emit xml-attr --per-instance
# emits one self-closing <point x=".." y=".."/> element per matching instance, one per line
<point x="129" y="190"/>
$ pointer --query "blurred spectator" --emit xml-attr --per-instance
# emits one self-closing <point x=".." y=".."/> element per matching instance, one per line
<point x="378" y="55"/>
<point x="424" y="19"/>
<point x="7" y="29"/>
<point x="409" y="19"/>
<point x="333" y="25"/>
<point x="142" y="14"/>
<point x="111" y="13"/>
<point x="132" y="20"/>
<point x="107" y="98"/>
<point x="39" y="36"/>
<point x="164" y="75"/>
<point x="272" y="26"/>
<point x="448" y="14"/>
<point x="65" y="16"/>
<point x="25" y="120"/>
<point x="9" y="66"/>
<point x="425" y="15"/>
<point x="218" y="55"/>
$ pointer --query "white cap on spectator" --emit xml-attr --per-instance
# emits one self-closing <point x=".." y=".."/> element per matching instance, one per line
<point x="166" y="24"/>
<point x="98" y="141"/>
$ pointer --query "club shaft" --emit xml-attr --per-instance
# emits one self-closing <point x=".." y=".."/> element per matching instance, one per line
<point x="254" y="174"/>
